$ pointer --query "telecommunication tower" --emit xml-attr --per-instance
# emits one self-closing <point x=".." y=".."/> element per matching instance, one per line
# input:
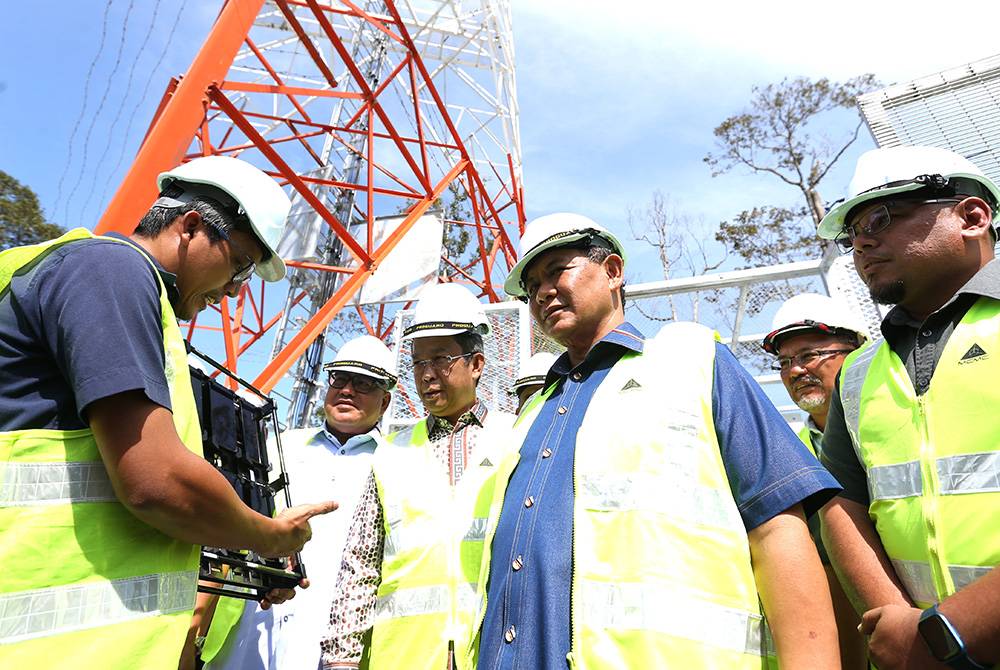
<point x="371" y="114"/>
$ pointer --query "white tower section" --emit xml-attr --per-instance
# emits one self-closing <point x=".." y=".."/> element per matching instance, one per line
<point x="467" y="47"/>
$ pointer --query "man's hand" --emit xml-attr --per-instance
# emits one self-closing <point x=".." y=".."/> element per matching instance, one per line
<point x="278" y="596"/>
<point x="893" y="640"/>
<point x="290" y="530"/>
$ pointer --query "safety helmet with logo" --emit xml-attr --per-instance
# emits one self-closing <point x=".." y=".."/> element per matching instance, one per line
<point x="813" y="313"/>
<point x="909" y="173"/>
<point x="447" y="309"/>
<point x="255" y="195"/>
<point x="368" y="356"/>
<point x="557" y="230"/>
<point x="533" y="370"/>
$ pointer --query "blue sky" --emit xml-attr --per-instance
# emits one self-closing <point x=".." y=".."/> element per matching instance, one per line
<point x="614" y="103"/>
<point x="617" y="99"/>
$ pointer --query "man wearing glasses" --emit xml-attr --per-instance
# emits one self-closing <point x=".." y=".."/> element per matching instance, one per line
<point x="912" y="434"/>
<point x="104" y="493"/>
<point x="406" y="594"/>
<point x="810" y="336"/>
<point x="334" y="459"/>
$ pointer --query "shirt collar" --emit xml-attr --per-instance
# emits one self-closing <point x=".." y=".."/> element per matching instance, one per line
<point x="476" y="415"/>
<point x="625" y="337"/>
<point x="169" y="278"/>
<point x="355" y="444"/>
<point x="985" y="283"/>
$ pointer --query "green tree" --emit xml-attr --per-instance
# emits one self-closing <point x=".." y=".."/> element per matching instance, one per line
<point x="21" y="219"/>
<point x="776" y="136"/>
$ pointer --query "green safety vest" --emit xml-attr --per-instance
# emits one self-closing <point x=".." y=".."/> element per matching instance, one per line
<point x="83" y="579"/>
<point x="932" y="461"/>
<point x="433" y="550"/>
<point x="661" y="561"/>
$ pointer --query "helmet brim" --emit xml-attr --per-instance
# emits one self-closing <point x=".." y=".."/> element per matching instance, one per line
<point x="512" y="285"/>
<point x="833" y="223"/>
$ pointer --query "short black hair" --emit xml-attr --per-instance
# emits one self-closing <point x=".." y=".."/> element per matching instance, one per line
<point x="599" y="254"/>
<point x="219" y="220"/>
<point x="470" y="342"/>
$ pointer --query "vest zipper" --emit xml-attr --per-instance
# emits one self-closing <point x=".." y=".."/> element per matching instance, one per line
<point x="928" y="497"/>
<point x="574" y="646"/>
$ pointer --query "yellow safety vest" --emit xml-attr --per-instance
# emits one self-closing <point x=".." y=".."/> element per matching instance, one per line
<point x="85" y="581"/>
<point x="433" y="551"/>
<point x="661" y="561"/>
<point x="933" y="462"/>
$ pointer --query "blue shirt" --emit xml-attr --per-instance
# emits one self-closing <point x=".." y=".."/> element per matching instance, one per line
<point x="768" y="467"/>
<point x="83" y="324"/>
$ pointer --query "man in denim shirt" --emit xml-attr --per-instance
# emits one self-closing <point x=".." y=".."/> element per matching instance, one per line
<point x="626" y="503"/>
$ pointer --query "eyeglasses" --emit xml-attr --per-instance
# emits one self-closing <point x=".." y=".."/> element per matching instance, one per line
<point x="441" y="364"/>
<point x="359" y="383"/>
<point x="805" y="358"/>
<point x="878" y="219"/>
<point x="243" y="273"/>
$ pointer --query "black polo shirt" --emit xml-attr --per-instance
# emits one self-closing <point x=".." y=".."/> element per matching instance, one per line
<point x="81" y="325"/>
<point x="919" y="345"/>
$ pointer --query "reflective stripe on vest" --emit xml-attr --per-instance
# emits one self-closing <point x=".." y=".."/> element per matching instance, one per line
<point x="424" y="600"/>
<point x="54" y="484"/>
<point x="965" y="473"/>
<point x="63" y="609"/>
<point x="402" y="538"/>
<point x="640" y="491"/>
<point x="641" y="607"/>
<point x="919" y="581"/>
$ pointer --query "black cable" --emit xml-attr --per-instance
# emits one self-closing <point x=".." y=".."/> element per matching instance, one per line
<point x="100" y="106"/>
<point x="83" y="108"/>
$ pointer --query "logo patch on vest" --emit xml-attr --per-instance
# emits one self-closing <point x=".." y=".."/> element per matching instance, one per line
<point x="486" y="463"/>
<point x="631" y="384"/>
<point x="974" y="353"/>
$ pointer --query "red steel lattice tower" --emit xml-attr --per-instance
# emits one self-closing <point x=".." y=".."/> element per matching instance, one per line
<point x="303" y="89"/>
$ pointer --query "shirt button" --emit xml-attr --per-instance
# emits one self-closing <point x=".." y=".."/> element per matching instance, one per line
<point x="926" y="333"/>
<point x="529" y="501"/>
<point x="577" y="376"/>
<point x="517" y="564"/>
<point x="546" y="452"/>
<point x="509" y="635"/>
<point x="343" y="451"/>
<point x="562" y="410"/>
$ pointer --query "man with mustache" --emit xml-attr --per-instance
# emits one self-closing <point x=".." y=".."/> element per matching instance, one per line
<point x="335" y="458"/>
<point x="810" y="336"/>
<point x="406" y="593"/>
<point x="658" y="498"/>
<point x="104" y="491"/>
<point x="912" y="434"/>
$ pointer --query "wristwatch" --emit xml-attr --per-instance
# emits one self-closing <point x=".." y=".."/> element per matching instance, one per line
<point x="943" y="640"/>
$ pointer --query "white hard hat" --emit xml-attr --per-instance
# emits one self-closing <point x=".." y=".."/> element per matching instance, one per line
<point x="812" y="313"/>
<point x="533" y="370"/>
<point x="263" y="201"/>
<point x="368" y="356"/>
<point x="882" y="173"/>
<point x="556" y="230"/>
<point x="447" y="309"/>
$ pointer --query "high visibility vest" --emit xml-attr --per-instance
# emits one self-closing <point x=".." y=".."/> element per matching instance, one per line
<point x="85" y="581"/>
<point x="661" y="561"/>
<point x="806" y="436"/>
<point x="433" y="548"/>
<point x="933" y="461"/>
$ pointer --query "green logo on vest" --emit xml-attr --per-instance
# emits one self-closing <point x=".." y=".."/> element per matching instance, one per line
<point x="974" y="353"/>
<point x="486" y="463"/>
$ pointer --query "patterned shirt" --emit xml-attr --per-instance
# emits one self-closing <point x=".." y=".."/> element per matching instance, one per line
<point x="352" y="612"/>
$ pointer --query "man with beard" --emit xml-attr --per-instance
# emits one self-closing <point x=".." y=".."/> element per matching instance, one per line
<point x="811" y="334"/>
<point x="912" y="433"/>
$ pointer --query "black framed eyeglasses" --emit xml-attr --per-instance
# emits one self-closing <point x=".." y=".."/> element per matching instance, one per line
<point x="441" y="364"/>
<point x="243" y="273"/>
<point x="360" y="383"/>
<point x="805" y="359"/>
<point x="878" y="219"/>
